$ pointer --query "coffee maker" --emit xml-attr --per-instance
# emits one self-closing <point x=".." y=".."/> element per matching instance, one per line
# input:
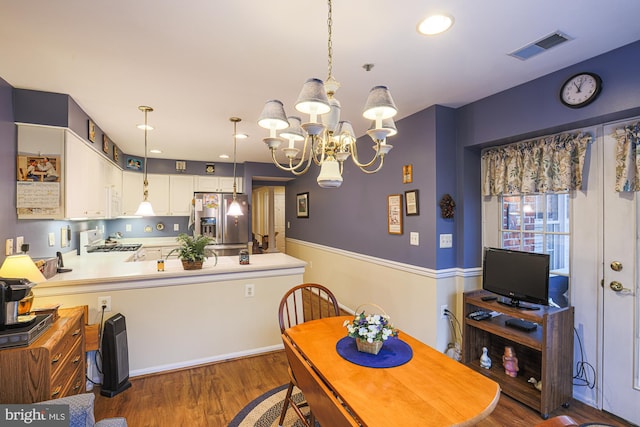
<point x="11" y="292"/>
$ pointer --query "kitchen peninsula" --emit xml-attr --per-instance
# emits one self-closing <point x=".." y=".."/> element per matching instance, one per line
<point x="178" y="318"/>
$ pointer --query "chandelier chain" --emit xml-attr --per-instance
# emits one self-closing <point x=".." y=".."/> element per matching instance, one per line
<point x="329" y="41"/>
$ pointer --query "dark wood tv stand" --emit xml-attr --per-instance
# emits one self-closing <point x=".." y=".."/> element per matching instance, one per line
<point x="545" y="354"/>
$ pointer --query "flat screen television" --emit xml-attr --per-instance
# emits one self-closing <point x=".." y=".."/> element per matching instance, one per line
<point x="521" y="277"/>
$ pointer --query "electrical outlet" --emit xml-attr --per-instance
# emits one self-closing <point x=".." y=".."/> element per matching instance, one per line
<point x="19" y="243"/>
<point x="52" y="239"/>
<point x="443" y="314"/>
<point x="446" y="240"/>
<point x="127" y="227"/>
<point x="8" y="247"/>
<point x="104" y="301"/>
<point x="64" y="241"/>
<point x="249" y="290"/>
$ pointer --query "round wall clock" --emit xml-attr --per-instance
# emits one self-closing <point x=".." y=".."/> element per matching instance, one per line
<point x="580" y="90"/>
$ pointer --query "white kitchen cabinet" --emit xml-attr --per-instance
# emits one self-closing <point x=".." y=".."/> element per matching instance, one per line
<point x="86" y="177"/>
<point x="132" y="192"/>
<point x="217" y="184"/>
<point x="159" y="193"/>
<point x="180" y="194"/>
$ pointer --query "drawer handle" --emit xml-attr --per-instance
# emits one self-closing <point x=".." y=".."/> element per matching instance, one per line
<point x="77" y="385"/>
<point x="56" y="358"/>
<point x="76" y="332"/>
<point x="76" y="360"/>
<point x="56" y="392"/>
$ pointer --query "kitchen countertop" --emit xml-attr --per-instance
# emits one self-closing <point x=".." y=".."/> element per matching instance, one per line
<point x="113" y="269"/>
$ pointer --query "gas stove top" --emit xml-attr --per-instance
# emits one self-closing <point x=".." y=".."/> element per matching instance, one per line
<point x="121" y="247"/>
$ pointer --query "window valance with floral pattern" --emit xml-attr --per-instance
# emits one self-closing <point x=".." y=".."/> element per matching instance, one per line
<point x="549" y="164"/>
<point x="628" y="158"/>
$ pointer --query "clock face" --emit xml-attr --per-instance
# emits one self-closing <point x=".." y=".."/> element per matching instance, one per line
<point x="580" y="90"/>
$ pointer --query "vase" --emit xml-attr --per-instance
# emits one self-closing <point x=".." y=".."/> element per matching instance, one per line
<point x="369" y="347"/>
<point x="192" y="265"/>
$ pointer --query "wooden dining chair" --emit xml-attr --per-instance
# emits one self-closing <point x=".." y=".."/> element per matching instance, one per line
<point x="308" y="301"/>
<point x="323" y="404"/>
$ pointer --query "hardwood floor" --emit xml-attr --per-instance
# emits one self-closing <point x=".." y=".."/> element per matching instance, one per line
<point x="211" y="395"/>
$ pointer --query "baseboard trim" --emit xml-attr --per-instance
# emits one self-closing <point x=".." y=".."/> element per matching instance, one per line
<point x="204" y="361"/>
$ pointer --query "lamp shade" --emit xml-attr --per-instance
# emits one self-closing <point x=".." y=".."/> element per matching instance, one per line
<point x="379" y="104"/>
<point x="387" y="124"/>
<point x="329" y="176"/>
<point x="145" y="209"/>
<point x="313" y="98"/>
<point x="294" y="131"/>
<point x="345" y="130"/>
<point x="273" y="116"/>
<point x="234" y="209"/>
<point x="21" y="266"/>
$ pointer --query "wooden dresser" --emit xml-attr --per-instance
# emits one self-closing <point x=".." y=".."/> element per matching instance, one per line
<point x="53" y="366"/>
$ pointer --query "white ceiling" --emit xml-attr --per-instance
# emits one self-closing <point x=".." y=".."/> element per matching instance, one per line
<point x="199" y="62"/>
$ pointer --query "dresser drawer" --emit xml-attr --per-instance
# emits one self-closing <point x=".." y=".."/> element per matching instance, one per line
<point x="62" y="350"/>
<point x="66" y="369"/>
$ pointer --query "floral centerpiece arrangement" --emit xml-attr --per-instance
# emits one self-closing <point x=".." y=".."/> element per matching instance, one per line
<point x="370" y="331"/>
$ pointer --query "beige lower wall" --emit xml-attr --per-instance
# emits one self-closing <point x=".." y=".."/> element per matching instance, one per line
<point x="411" y="295"/>
<point x="177" y="326"/>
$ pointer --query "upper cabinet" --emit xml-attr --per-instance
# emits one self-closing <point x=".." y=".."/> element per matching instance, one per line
<point x="217" y="184"/>
<point x="61" y="176"/>
<point x="170" y="195"/>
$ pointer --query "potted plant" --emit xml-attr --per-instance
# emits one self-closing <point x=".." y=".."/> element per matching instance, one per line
<point x="370" y="330"/>
<point x="192" y="251"/>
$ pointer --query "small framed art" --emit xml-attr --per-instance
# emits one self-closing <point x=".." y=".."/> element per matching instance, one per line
<point x="133" y="163"/>
<point x="92" y="131"/>
<point x="105" y="143"/>
<point x="394" y="214"/>
<point x="411" y="204"/>
<point x="302" y="205"/>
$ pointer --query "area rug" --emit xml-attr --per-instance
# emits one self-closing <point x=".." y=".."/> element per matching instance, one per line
<point x="264" y="411"/>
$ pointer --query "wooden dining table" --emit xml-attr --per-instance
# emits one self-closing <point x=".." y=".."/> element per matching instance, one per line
<point x="430" y="389"/>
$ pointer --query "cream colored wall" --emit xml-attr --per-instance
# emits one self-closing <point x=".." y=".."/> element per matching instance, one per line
<point x="176" y="326"/>
<point x="412" y="296"/>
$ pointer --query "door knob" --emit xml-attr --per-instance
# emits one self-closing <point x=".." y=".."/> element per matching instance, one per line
<point x="618" y="287"/>
<point x="616" y="265"/>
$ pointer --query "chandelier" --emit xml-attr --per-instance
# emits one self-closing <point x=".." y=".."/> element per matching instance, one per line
<point x="328" y="142"/>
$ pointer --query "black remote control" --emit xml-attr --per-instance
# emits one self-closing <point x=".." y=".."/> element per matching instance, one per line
<point x="489" y="298"/>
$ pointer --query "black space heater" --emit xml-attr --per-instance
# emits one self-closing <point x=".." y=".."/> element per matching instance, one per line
<point x="115" y="357"/>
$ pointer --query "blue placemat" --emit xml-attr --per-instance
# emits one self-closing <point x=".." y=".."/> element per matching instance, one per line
<point x="394" y="352"/>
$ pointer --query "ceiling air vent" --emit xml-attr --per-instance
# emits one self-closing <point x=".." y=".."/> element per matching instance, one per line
<point x="544" y="44"/>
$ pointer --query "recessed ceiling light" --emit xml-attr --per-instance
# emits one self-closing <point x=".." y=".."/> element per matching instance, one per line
<point x="435" y="24"/>
<point x="242" y="136"/>
<point x="224" y="156"/>
<point x="142" y="126"/>
<point x="155" y="151"/>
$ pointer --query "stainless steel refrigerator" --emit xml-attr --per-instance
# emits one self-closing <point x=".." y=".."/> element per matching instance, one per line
<point x="230" y="233"/>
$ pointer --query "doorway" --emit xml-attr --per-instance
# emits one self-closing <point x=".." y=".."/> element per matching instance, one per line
<point x="267" y="199"/>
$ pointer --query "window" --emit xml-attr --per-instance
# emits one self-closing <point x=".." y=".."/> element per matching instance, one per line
<point x="540" y="223"/>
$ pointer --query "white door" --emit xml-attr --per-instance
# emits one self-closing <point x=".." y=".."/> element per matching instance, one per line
<point x="620" y="295"/>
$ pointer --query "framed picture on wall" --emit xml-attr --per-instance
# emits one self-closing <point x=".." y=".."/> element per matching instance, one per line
<point x="105" y="143"/>
<point x="133" y="163"/>
<point x="115" y="153"/>
<point x="394" y="214"/>
<point x="302" y="205"/>
<point x="411" y="202"/>
<point x="92" y="131"/>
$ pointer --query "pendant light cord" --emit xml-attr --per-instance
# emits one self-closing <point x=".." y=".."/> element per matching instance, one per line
<point x="235" y="121"/>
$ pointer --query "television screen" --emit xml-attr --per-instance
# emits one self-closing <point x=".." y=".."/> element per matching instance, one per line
<point x="520" y="276"/>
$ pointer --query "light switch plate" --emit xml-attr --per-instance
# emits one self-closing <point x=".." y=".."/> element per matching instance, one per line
<point x="52" y="239"/>
<point x="64" y="242"/>
<point x="176" y="227"/>
<point x="8" y="250"/>
<point x="19" y="242"/>
<point x="414" y="238"/>
<point x="127" y="227"/>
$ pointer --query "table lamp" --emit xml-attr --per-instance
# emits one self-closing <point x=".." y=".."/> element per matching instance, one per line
<point x="18" y="275"/>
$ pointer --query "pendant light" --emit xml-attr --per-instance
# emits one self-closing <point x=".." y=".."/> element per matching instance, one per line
<point x="145" y="208"/>
<point x="234" y="207"/>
